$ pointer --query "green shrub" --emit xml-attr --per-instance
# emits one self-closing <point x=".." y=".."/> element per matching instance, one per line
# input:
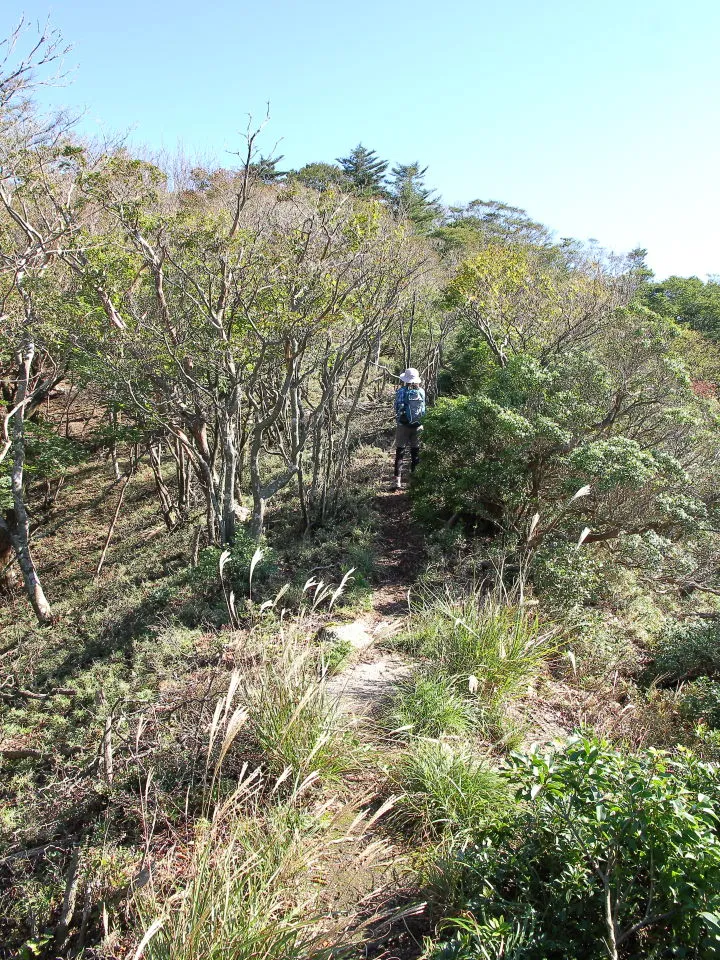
<point x="568" y="575"/>
<point x="430" y="706"/>
<point x="237" y="569"/>
<point x="525" y="439"/>
<point x="447" y="792"/>
<point x="687" y="650"/>
<point x="699" y="701"/>
<point x="334" y="655"/>
<point x="611" y="855"/>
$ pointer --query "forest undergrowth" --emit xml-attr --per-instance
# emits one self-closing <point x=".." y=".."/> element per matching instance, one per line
<point x="118" y="773"/>
<point x="172" y="780"/>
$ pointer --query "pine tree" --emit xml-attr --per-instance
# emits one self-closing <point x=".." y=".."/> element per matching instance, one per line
<point x="320" y="176"/>
<point x="363" y="171"/>
<point x="410" y="197"/>
<point x="265" y="170"/>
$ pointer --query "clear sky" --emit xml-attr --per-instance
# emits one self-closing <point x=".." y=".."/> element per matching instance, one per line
<point x="600" y="119"/>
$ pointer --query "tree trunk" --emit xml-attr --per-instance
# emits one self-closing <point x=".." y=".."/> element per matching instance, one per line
<point x="7" y="554"/>
<point x="257" y="518"/>
<point x="114" y="420"/>
<point x="166" y="505"/>
<point x="228" y="475"/>
<point x="18" y="527"/>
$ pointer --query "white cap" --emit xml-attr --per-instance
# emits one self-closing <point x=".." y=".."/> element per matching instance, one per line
<point x="411" y="375"/>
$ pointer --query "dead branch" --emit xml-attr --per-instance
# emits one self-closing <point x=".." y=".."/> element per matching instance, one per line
<point x="114" y="521"/>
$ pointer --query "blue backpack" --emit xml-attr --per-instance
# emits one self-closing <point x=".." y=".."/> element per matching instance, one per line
<point x="410" y="406"/>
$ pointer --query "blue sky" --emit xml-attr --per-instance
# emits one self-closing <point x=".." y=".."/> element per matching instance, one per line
<point x="600" y="119"/>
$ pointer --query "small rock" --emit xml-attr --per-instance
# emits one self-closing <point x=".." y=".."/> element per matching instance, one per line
<point x="354" y="634"/>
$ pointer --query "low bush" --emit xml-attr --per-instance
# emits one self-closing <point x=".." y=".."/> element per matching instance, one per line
<point x="610" y="855"/>
<point x="687" y="650"/>
<point x="567" y="576"/>
<point x="237" y="568"/>
<point x="334" y="655"/>
<point x="699" y="702"/>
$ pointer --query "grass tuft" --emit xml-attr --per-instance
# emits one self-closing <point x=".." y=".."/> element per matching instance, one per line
<point x="481" y="644"/>
<point x="431" y="706"/>
<point x="447" y="792"/>
<point x="294" y="722"/>
<point x="240" y="896"/>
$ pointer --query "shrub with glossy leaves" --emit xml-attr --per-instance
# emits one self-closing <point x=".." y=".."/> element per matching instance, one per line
<point x="616" y="418"/>
<point x="612" y="855"/>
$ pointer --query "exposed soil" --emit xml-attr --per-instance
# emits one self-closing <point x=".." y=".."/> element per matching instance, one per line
<point x="389" y="913"/>
<point x="366" y="683"/>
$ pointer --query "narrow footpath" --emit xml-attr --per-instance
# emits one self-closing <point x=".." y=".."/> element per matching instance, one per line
<point x="371" y="678"/>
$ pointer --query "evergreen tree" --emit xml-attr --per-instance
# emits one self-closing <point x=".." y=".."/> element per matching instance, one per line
<point x="320" y="176"/>
<point x="689" y="301"/>
<point x="411" y="198"/>
<point x="265" y="170"/>
<point x="363" y="171"/>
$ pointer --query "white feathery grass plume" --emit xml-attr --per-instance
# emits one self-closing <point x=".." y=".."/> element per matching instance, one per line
<point x="381" y="811"/>
<point x="256" y="558"/>
<point x="582" y="492"/>
<point x="360" y="816"/>
<point x="231" y="691"/>
<point x="142" y="724"/>
<point x="236" y="721"/>
<point x="309" y="583"/>
<point x="307" y="782"/>
<point x="573" y="662"/>
<point x="249" y="783"/>
<point x="151" y="774"/>
<point x="321" y="593"/>
<point x="328" y="806"/>
<point x="281" y="779"/>
<point x="149" y="934"/>
<point x="224" y="557"/>
<point x="583" y="536"/>
<point x="214" y="725"/>
<point x="271" y="604"/>
<point x="321" y="741"/>
<point x="281" y="593"/>
<point x="341" y="587"/>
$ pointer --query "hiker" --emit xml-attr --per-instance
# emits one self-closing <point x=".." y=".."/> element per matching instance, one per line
<point x="409" y="411"/>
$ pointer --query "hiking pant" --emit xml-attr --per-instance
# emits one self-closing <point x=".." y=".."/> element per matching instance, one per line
<point x="405" y="436"/>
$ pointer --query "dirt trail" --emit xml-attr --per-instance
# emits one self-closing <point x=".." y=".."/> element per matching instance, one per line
<point x="374" y="891"/>
<point x="372" y="677"/>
